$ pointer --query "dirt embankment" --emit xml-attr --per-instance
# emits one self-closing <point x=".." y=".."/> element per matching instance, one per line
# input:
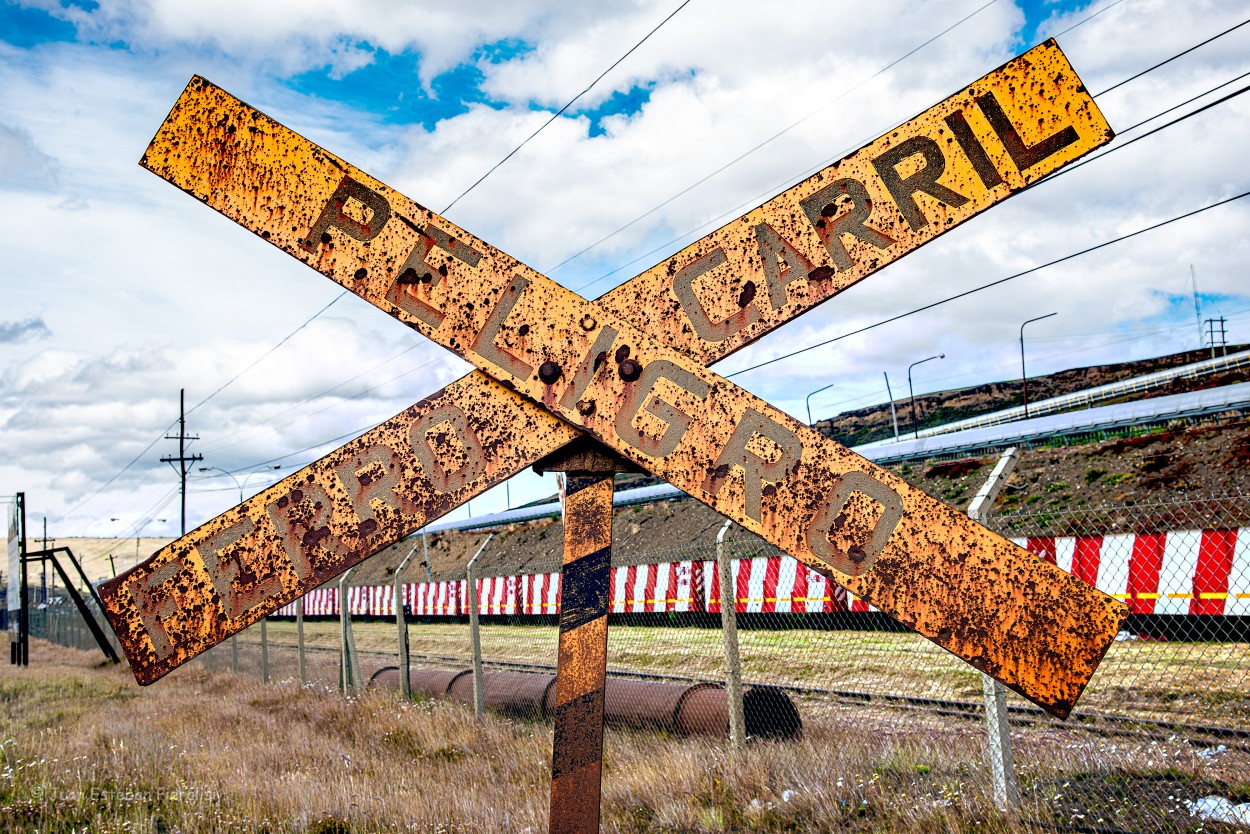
<point x="1170" y="465"/>
<point x="864" y="425"/>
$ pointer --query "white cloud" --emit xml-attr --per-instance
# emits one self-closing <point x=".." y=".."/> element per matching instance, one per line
<point x="146" y="292"/>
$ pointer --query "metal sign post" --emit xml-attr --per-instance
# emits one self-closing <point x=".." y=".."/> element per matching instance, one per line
<point x="630" y="372"/>
<point x="581" y="665"/>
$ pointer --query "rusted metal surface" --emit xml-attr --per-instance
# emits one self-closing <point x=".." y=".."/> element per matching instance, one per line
<point x="683" y="708"/>
<point x="313" y="525"/>
<point x="1030" y="625"/>
<point x="1027" y="119"/>
<point x="576" y="702"/>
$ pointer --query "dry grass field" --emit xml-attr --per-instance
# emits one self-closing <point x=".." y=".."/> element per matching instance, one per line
<point x="82" y="748"/>
<point x="1193" y="683"/>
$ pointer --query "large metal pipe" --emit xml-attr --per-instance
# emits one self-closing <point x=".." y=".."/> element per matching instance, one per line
<point x="685" y="709"/>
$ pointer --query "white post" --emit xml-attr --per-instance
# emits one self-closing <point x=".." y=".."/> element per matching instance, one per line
<point x="890" y="394"/>
<point x="729" y="633"/>
<point x="475" y="632"/>
<point x="1002" y="763"/>
<point x="401" y="623"/>
<point x="264" y="650"/>
<point x="299" y="640"/>
<point x="349" y="673"/>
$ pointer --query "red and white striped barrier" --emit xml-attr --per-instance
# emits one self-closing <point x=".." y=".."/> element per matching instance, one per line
<point x="1196" y="572"/>
<point x="658" y="588"/>
<point x="779" y="584"/>
<point x="1199" y="572"/>
<point x="435" y="599"/>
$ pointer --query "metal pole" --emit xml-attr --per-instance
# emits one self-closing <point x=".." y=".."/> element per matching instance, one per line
<point x="425" y="554"/>
<point x="346" y="682"/>
<point x="915" y="425"/>
<point x="890" y="394"/>
<point x="401" y="624"/>
<point x="234" y="653"/>
<point x="1024" y="378"/>
<point x="808" y="400"/>
<point x="264" y="650"/>
<point x="1002" y="762"/>
<point x="23" y="615"/>
<point x="581" y="667"/>
<point x="475" y="632"/>
<point x="729" y="633"/>
<point x="299" y="640"/>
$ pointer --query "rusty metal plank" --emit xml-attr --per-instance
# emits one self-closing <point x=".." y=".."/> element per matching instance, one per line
<point x="585" y="581"/>
<point x="1015" y="125"/>
<point x="318" y="522"/>
<point x="423" y="275"/>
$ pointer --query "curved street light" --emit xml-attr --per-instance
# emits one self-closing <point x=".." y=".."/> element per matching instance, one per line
<point x="915" y="426"/>
<point x="236" y="480"/>
<point x="808" y="401"/>
<point x="138" y="534"/>
<point x="1024" y="379"/>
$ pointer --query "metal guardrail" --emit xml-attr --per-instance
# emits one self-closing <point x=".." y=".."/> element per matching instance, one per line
<point x="1099" y="394"/>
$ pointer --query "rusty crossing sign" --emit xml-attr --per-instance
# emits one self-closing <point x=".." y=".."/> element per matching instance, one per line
<point x="630" y="371"/>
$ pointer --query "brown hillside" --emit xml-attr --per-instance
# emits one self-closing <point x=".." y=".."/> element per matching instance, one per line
<point x="865" y="425"/>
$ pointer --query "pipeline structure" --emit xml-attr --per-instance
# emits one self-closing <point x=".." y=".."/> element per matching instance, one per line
<point x="679" y="708"/>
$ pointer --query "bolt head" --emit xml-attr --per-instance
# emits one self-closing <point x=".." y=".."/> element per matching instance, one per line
<point x="630" y="370"/>
<point x="548" y="372"/>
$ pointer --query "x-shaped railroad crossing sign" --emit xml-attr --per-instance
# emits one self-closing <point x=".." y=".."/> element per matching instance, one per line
<point x="629" y="371"/>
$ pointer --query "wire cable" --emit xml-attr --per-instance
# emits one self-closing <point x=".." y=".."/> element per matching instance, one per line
<point x="1151" y="132"/>
<point x="995" y="283"/>
<point x="120" y="472"/>
<point x="789" y="181"/>
<point x="560" y="112"/>
<point x="775" y="136"/>
<point x="261" y="358"/>
<point x="1173" y="58"/>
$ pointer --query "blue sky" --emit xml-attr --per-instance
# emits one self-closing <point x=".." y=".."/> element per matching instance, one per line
<point x="153" y="294"/>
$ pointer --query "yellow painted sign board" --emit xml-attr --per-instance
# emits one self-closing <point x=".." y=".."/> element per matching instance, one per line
<point x="629" y="371"/>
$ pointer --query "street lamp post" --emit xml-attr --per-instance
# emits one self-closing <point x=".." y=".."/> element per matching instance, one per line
<point x="1024" y="379"/>
<point x="915" y="425"/>
<point x="236" y="480"/>
<point x="808" y="400"/>
<point x="138" y="533"/>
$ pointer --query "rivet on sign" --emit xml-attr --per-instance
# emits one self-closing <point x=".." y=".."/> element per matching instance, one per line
<point x="588" y="322"/>
<point x="630" y="370"/>
<point x="585" y="407"/>
<point x="548" y="372"/>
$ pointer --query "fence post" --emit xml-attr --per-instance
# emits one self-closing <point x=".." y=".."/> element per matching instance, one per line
<point x="1002" y="763"/>
<point x="264" y="650"/>
<point x="475" y="632"/>
<point x="729" y="633"/>
<point x="234" y="653"/>
<point x="401" y="624"/>
<point x="349" y="672"/>
<point x="299" y="640"/>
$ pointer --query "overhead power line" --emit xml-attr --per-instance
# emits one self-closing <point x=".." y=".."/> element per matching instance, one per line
<point x="1153" y="131"/>
<point x="1173" y="58"/>
<point x="120" y="472"/>
<point x="1079" y="23"/>
<point x="560" y="112"/>
<point x="829" y="160"/>
<point x="983" y="287"/>
<point x="1047" y="179"/>
<point x="772" y="138"/>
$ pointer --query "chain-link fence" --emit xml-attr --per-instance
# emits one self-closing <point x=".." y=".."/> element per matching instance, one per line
<point x="845" y="710"/>
<point x="1162" y="733"/>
